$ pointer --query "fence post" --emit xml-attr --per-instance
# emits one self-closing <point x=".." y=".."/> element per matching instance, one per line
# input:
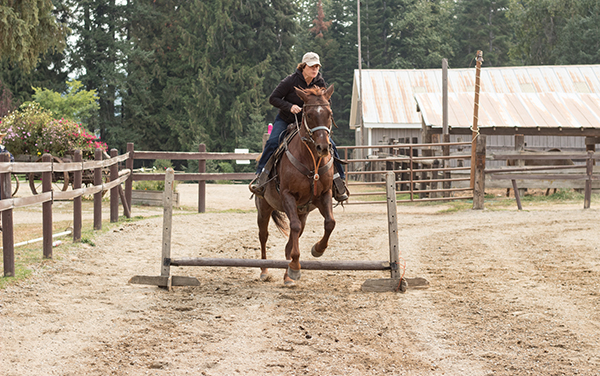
<point x="98" y="196"/>
<point x="589" y="171"/>
<point x="520" y="147"/>
<point x="201" y="183"/>
<point x="77" y="218"/>
<point x="129" y="181"/>
<point x="392" y="213"/>
<point x="114" y="191"/>
<point x="47" y="210"/>
<point x="446" y="163"/>
<point x="165" y="268"/>
<point x="479" y="182"/>
<point x="8" y="241"/>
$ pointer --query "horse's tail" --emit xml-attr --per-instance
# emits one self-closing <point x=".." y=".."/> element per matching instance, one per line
<point x="280" y="222"/>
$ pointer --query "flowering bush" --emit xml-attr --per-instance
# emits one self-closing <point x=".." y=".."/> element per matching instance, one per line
<point x="32" y="130"/>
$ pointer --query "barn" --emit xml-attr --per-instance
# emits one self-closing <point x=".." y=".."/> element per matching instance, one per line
<point x="553" y="106"/>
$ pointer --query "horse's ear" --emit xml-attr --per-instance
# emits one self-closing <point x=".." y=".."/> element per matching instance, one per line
<point x="328" y="92"/>
<point x="302" y="94"/>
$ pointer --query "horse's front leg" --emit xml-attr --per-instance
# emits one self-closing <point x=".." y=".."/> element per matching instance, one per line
<point x="292" y="248"/>
<point x="325" y="206"/>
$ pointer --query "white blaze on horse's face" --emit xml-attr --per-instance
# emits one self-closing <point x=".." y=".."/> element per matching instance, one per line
<point x="317" y="117"/>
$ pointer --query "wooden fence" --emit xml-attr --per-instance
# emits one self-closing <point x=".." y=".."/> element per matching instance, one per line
<point x="201" y="177"/>
<point x="419" y="173"/>
<point x="47" y="168"/>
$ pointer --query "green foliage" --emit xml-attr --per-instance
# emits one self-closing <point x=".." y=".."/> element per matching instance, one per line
<point x="424" y="33"/>
<point x="538" y="26"/>
<point x="159" y="166"/>
<point x="482" y="25"/>
<point x="76" y="104"/>
<point x="28" y="29"/>
<point x="33" y="130"/>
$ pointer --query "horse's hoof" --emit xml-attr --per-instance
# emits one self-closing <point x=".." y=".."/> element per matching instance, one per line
<point x="293" y="274"/>
<point x="287" y="282"/>
<point x="266" y="277"/>
<point x="315" y="253"/>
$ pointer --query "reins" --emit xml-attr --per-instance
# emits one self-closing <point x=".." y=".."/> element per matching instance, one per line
<point x="304" y="141"/>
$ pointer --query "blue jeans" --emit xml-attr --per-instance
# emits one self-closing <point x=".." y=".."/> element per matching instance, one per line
<point x="279" y="126"/>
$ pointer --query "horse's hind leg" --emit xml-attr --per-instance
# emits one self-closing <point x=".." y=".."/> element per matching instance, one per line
<point x="264" y="213"/>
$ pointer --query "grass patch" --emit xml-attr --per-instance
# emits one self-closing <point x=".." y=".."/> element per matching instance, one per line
<point x="29" y="257"/>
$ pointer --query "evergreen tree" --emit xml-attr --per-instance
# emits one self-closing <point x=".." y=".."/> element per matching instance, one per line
<point x="28" y="29"/>
<point x="423" y="33"/>
<point x="97" y="56"/>
<point x="579" y="39"/>
<point x="538" y="25"/>
<point x="483" y="25"/>
<point x="380" y="50"/>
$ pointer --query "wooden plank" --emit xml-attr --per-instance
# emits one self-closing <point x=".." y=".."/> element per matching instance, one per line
<point x="163" y="281"/>
<point x="194" y="156"/>
<point x="391" y="285"/>
<point x="282" y="264"/>
<point x="540" y="176"/>
<point x="198" y="176"/>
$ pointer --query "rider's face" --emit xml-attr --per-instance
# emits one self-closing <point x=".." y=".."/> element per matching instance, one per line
<point x="311" y="71"/>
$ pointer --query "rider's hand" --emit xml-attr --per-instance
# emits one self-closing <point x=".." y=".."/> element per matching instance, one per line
<point x="295" y="109"/>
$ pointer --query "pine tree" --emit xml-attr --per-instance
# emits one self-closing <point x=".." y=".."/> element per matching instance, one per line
<point x="98" y="55"/>
<point x="483" y="25"/>
<point x="423" y="33"/>
<point x="28" y="29"/>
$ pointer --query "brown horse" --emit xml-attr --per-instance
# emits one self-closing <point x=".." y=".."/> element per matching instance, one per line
<point x="303" y="183"/>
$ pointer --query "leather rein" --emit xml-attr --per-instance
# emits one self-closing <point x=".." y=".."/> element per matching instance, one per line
<point x="315" y="173"/>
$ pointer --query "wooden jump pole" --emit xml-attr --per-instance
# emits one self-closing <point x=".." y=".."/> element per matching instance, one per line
<point x="395" y="283"/>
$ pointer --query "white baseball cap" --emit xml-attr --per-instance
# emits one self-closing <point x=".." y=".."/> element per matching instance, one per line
<point x="311" y="58"/>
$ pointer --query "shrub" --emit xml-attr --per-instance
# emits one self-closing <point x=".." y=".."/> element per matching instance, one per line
<point x="33" y="131"/>
<point x="160" y="166"/>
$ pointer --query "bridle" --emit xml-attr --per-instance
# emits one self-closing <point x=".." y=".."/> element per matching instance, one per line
<point x="310" y="138"/>
<point x="310" y="131"/>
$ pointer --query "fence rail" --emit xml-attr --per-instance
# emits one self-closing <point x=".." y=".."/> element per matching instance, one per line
<point x="47" y="196"/>
<point x="418" y="171"/>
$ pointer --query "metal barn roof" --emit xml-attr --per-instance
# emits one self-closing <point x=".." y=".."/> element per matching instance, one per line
<point x="519" y="110"/>
<point x="510" y="96"/>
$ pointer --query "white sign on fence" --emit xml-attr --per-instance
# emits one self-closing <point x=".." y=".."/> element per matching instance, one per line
<point x="242" y="151"/>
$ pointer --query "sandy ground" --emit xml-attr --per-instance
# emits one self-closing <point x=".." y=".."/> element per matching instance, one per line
<point x="512" y="293"/>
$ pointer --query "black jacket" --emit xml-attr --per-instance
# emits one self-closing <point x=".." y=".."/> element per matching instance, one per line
<point x="284" y="95"/>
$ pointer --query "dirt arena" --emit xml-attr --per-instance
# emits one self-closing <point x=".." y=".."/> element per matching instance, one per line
<point x="512" y="293"/>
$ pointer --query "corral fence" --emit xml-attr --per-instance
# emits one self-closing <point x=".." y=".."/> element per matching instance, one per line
<point x="47" y="168"/>
<point x="442" y="171"/>
<point x="201" y="177"/>
<point x="421" y="175"/>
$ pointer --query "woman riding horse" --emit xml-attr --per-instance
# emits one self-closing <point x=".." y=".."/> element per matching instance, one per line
<point x="305" y="182"/>
<point x="284" y="97"/>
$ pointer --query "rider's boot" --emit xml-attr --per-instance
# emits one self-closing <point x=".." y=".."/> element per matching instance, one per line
<point x="257" y="186"/>
<point x="340" y="192"/>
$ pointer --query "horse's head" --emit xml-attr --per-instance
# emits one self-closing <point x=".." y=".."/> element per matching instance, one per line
<point x="317" y="116"/>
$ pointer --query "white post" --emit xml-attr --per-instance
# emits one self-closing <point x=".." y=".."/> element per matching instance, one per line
<point x="393" y="224"/>
<point x="165" y="269"/>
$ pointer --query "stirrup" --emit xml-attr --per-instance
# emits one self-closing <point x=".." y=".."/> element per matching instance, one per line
<point x="258" y="184"/>
<point x="340" y="192"/>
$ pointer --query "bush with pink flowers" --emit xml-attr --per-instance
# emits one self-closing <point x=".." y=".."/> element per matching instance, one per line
<point x="32" y="130"/>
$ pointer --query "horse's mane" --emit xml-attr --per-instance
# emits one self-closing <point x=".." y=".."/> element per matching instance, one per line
<point x="315" y="90"/>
